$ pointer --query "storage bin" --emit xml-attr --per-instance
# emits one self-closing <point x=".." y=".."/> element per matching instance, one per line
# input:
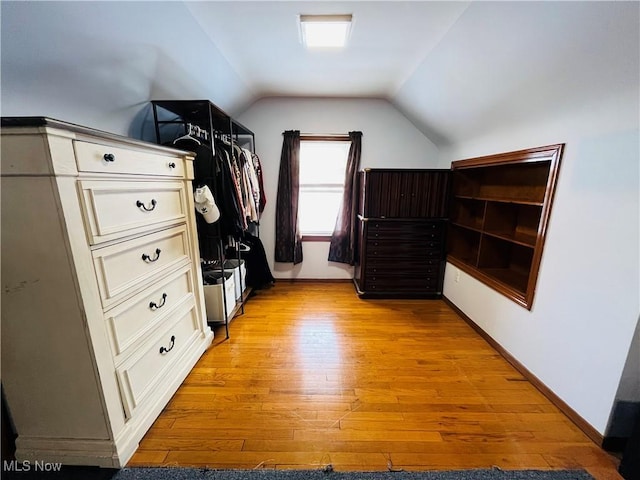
<point x="213" y="296"/>
<point x="239" y="275"/>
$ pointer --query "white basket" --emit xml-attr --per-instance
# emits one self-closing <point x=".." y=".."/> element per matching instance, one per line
<point x="239" y="275"/>
<point x="214" y="300"/>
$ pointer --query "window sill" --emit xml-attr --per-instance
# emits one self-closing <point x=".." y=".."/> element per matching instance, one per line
<point x="316" y="238"/>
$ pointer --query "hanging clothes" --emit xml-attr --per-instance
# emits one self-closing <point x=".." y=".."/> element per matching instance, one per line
<point x="258" y="271"/>
<point x="258" y="168"/>
<point x="234" y="176"/>
<point x="204" y="175"/>
<point x="213" y="171"/>
<point x="253" y="186"/>
<point x="233" y="184"/>
<point x="262" y="201"/>
<point x="229" y="185"/>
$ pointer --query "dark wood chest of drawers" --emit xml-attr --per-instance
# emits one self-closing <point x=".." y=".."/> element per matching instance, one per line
<point x="401" y="251"/>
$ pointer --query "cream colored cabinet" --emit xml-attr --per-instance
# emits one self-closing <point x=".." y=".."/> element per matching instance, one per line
<point x="102" y="299"/>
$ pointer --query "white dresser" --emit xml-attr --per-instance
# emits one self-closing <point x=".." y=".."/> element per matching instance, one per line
<point x="102" y="303"/>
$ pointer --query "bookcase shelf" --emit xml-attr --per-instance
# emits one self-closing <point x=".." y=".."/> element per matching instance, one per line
<point x="500" y="206"/>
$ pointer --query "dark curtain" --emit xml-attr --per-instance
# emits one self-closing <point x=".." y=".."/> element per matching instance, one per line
<point x="342" y="245"/>
<point x="288" y="238"/>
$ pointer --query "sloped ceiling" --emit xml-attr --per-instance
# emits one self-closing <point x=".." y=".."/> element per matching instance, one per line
<point x="99" y="63"/>
<point x="453" y="68"/>
<point x="388" y="41"/>
<point x="507" y="60"/>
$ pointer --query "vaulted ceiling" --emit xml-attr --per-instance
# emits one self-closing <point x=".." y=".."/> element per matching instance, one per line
<point x="453" y="68"/>
<point x="388" y="41"/>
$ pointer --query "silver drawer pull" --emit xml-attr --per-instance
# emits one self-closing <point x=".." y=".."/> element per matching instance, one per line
<point x="164" y="350"/>
<point x="141" y="205"/>
<point x="155" y="306"/>
<point x="148" y="259"/>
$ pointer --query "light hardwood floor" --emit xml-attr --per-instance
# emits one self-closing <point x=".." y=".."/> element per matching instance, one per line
<point x="314" y="376"/>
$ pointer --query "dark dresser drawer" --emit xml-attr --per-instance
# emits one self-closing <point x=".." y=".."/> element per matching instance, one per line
<point x="407" y="267"/>
<point x="404" y="229"/>
<point x="392" y="282"/>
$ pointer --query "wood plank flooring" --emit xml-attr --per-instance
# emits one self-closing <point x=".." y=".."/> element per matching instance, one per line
<point x="314" y="376"/>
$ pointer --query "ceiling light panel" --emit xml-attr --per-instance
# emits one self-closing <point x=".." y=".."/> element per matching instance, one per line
<point x="325" y="31"/>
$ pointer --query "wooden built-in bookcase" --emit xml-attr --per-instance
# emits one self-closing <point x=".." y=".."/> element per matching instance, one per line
<point x="500" y="206"/>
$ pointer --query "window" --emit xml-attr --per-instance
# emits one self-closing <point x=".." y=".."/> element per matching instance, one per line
<point x="322" y="169"/>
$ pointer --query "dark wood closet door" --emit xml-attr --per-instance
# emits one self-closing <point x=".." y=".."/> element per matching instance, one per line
<point x="404" y="193"/>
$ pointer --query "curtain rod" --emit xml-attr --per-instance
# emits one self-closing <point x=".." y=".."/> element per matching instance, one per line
<point x="324" y="136"/>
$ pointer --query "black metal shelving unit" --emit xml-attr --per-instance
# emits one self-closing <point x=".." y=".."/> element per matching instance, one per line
<point x="174" y="118"/>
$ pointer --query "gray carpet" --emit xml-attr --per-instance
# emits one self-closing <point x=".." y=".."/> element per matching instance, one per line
<point x="264" y="474"/>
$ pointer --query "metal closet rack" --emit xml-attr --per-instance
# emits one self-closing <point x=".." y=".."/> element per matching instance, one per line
<point x="206" y="121"/>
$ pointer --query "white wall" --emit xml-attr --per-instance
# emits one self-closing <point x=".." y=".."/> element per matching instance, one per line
<point x="87" y="63"/>
<point x="389" y="140"/>
<point x="578" y="333"/>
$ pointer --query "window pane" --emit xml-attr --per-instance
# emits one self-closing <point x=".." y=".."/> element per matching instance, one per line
<point x="322" y="169"/>
<point x="317" y="210"/>
<point x="323" y="162"/>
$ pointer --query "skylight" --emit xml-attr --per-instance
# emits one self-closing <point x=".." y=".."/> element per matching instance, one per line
<point x="325" y="31"/>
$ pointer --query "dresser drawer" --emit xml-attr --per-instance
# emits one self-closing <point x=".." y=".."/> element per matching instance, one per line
<point x="130" y="266"/>
<point x="404" y="236"/>
<point x="412" y="243"/>
<point x="400" y="278"/>
<point x="133" y="319"/>
<point x="405" y="282"/>
<point x="142" y="373"/>
<point x="115" y="209"/>
<point x="403" y="250"/>
<point x="403" y="268"/>
<point x="404" y="227"/>
<point x="94" y="157"/>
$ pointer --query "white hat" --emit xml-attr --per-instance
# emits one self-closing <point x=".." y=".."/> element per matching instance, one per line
<point x="205" y="204"/>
